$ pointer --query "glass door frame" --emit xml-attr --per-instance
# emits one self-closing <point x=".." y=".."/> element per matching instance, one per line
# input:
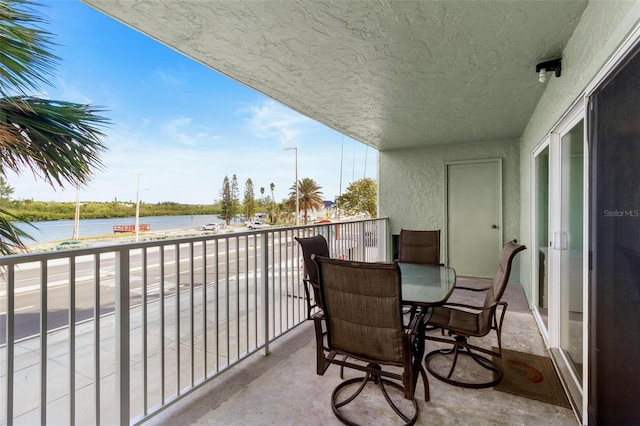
<point x="557" y="212"/>
<point x="535" y="258"/>
<point x="553" y="332"/>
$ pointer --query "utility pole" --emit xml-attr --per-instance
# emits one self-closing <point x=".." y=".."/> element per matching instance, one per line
<point x="297" y="195"/>
<point x="138" y="209"/>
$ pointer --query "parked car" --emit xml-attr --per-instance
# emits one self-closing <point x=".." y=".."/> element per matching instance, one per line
<point x="210" y="227"/>
<point x="257" y="225"/>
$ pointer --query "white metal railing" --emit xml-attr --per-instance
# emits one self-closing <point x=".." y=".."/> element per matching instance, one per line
<point x="132" y="328"/>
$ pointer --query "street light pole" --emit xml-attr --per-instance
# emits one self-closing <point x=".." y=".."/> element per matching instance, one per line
<point x="138" y="208"/>
<point x="297" y="195"/>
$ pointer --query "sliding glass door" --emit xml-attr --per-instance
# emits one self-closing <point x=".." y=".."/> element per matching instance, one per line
<point x="570" y="246"/>
<point x="559" y="260"/>
<point x="614" y="244"/>
<point x="541" y="233"/>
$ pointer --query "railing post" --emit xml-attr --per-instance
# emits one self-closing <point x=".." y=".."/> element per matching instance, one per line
<point x="122" y="336"/>
<point x="383" y="251"/>
<point x="72" y="340"/>
<point x="363" y="240"/>
<point x="96" y="336"/>
<point x="44" y="335"/>
<point x="10" y="351"/>
<point x="265" y="287"/>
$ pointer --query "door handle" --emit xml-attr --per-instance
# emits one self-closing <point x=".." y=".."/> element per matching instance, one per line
<point x="494" y="226"/>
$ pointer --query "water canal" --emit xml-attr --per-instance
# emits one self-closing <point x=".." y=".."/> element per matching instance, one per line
<point x="55" y="230"/>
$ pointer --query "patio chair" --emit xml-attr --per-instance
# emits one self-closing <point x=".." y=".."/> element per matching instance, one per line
<point x="312" y="245"/>
<point x="363" y="314"/>
<point x="419" y="246"/>
<point x="462" y="321"/>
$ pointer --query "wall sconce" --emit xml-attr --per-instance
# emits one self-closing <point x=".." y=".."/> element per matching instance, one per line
<point x="544" y="67"/>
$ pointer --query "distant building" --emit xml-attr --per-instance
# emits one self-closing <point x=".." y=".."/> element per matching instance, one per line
<point x="328" y="208"/>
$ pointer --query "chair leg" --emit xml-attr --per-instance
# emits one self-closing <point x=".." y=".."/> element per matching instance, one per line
<point x="461" y="348"/>
<point x="321" y="364"/>
<point x="425" y="380"/>
<point x="381" y="383"/>
<point x="408" y="420"/>
<point x="456" y="352"/>
<point x="308" y="299"/>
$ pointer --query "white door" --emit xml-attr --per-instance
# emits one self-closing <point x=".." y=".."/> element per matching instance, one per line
<point x="474" y="216"/>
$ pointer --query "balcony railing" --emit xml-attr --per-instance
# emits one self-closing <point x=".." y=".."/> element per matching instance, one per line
<point x="116" y="334"/>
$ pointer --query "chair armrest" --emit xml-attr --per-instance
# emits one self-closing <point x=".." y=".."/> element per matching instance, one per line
<point x="463" y="306"/>
<point x="475" y="308"/>
<point x="471" y="288"/>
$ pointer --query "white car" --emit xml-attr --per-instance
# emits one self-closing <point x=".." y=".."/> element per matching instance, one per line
<point x="257" y="225"/>
<point x="210" y="227"/>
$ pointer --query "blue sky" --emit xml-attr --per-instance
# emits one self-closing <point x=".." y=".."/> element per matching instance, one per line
<point x="180" y="125"/>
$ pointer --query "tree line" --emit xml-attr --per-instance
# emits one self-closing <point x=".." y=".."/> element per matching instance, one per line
<point x="359" y="197"/>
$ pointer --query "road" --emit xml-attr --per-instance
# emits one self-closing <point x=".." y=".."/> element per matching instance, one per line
<point x="242" y="263"/>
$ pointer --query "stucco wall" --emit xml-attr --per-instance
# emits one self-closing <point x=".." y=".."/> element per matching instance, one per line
<point x="411" y="183"/>
<point x="602" y="29"/>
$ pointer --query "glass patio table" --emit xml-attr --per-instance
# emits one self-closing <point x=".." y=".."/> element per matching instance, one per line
<point x="425" y="285"/>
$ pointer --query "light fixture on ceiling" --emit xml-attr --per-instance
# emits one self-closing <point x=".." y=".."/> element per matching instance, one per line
<point x="548" y="66"/>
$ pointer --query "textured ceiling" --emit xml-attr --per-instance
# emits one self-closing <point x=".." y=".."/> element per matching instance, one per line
<point x="389" y="74"/>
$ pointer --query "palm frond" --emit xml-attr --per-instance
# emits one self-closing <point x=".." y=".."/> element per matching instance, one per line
<point x="59" y="141"/>
<point x="25" y="59"/>
<point x="11" y="237"/>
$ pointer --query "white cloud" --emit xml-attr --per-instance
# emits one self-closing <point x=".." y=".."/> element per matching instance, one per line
<point x="181" y="130"/>
<point x="270" y="119"/>
<point x="187" y="174"/>
<point x="168" y="78"/>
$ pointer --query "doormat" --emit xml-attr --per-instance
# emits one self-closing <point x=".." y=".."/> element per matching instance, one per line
<point x="532" y="376"/>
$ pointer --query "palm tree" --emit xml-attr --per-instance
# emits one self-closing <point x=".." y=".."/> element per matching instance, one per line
<point x="58" y="141"/>
<point x="272" y="186"/>
<point x="310" y="196"/>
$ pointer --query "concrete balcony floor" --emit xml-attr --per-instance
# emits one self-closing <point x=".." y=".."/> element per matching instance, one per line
<point x="283" y="388"/>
